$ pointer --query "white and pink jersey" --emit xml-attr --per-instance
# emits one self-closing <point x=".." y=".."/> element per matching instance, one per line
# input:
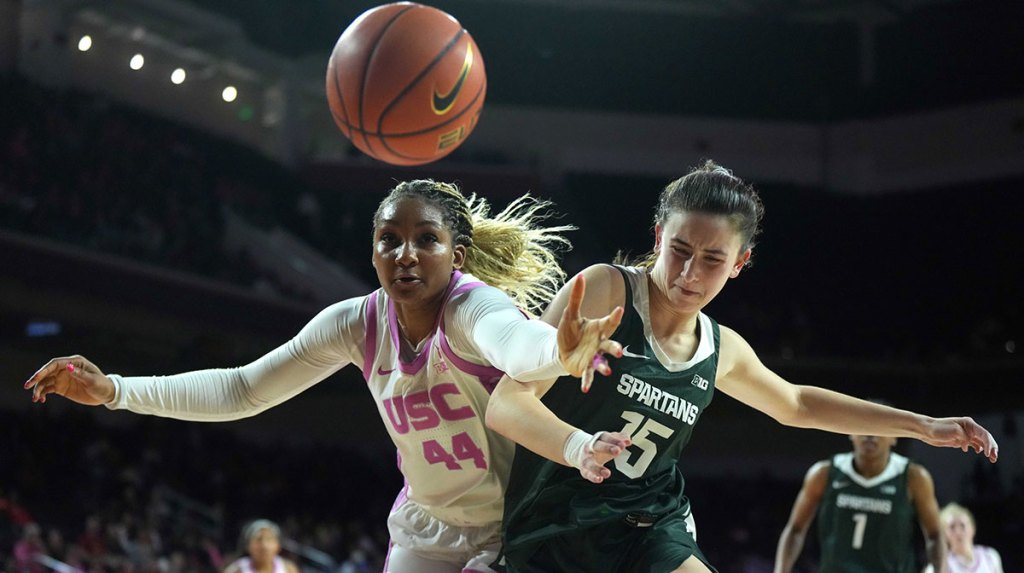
<point x="986" y="560"/>
<point x="245" y="565"/>
<point x="432" y="402"/>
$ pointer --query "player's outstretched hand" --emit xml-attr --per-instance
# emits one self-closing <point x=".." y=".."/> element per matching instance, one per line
<point x="605" y="448"/>
<point x="963" y="433"/>
<point x="73" y="377"/>
<point x="582" y="342"/>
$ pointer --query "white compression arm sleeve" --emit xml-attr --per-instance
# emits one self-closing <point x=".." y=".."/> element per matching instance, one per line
<point x="329" y="342"/>
<point x="485" y="322"/>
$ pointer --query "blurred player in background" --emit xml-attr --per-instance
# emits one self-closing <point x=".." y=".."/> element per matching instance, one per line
<point x="261" y="540"/>
<point x="867" y="503"/>
<point x="958" y="528"/>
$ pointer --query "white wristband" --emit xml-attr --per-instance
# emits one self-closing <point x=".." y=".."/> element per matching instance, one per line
<point x="578" y="446"/>
<point x="117" y="402"/>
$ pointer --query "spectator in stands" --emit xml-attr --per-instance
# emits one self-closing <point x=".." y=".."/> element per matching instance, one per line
<point x="964" y="555"/>
<point x="27" y="548"/>
<point x="261" y="541"/>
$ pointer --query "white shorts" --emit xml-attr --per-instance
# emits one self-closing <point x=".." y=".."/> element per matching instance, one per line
<point x="422" y="543"/>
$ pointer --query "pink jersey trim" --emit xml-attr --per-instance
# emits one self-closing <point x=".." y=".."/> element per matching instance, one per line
<point x="370" y="342"/>
<point x="417" y="363"/>
<point x="387" y="558"/>
<point x="488" y="375"/>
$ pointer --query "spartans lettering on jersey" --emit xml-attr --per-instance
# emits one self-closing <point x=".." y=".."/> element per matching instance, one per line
<point x="424" y="410"/>
<point x="658" y="399"/>
<point x="859" y="503"/>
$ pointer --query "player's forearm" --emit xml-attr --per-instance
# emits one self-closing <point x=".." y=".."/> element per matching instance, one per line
<point x="834" y="412"/>
<point x="936" y="551"/>
<point x="526" y="350"/>
<point x="516" y="413"/>
<point x="218" y="395"/>
<point x="204" y="396"/>
<point x="791" y="543"/>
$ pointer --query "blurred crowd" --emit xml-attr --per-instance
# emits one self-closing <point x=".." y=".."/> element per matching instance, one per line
<point x="163" y="496"/>
<point x="169" y="497"/>
<point x="80" y="169"/>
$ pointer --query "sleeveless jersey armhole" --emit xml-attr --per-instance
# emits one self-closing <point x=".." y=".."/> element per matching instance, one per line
<point x="488" y="375"/>
<point x="370" y="342"/>
<point x="628" y="302"/>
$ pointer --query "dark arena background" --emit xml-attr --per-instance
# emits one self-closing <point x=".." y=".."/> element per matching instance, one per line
<point x="174" y="195"/>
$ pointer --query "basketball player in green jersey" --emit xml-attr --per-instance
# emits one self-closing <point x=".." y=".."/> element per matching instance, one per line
<point x="867" y="502"/>
<point x="633" y="515"/>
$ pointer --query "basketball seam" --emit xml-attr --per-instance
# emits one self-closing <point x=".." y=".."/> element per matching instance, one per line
<point x="366" y="71"/>
<point x="341" y="98"/>
<point x="450" y="120"/>
<point x="423" y="73"/>
<point x="399" y="134"/>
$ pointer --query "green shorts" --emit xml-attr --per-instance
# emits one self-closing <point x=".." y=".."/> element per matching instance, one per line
<point x="619" y="546"/>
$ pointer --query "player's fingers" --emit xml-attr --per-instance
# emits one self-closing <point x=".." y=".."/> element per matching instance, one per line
<point x="610" y="347"/>
<point x="617" y="438"/>
<point x="589" y="475"/>
<point x="51" y="367"/>
<point x="600" y="364"/>
<point x="607" y="448"/>
<point x="572" y="309"/>
<point x="594" y="471"/>
<point x="586" y="380"/>
<point x="40" y="390"/>
<point x="609" y="323"/>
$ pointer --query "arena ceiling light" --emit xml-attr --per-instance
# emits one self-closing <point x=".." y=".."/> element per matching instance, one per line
<point x="178" y="76"/>
<point x="84" y="43"/>
<point x="137" y="62"/>
<point x="229" y="94"/>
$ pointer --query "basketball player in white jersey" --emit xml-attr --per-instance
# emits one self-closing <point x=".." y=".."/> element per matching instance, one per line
<point x="262" y="542"/>
<point x="964" y="556"/>
<point x="431" y="344"/>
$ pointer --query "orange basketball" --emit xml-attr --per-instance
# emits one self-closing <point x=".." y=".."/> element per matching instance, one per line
<point x="406" y="83"/>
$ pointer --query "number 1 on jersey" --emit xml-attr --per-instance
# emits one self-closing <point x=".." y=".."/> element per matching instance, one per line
<point x="861" y="521"/>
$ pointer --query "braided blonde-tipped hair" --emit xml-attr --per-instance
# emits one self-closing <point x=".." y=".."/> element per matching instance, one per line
<point x="510" y="250"/>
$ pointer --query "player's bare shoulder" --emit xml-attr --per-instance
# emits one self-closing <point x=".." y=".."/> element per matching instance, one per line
<point x="605" y="289"/>
<point x="734" y="351"/>
<point x="605" y="286"/>
<point x="819" y="472"/>
<point x="919" y="478"/>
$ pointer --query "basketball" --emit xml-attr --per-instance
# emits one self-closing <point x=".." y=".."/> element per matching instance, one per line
<point x="406" y="83"/>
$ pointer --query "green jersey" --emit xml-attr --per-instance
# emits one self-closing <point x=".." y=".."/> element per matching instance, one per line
<point x="648" y="397"/>
<point x="866" y="525"/>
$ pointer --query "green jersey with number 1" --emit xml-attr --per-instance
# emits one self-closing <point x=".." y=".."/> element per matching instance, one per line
<point x="866" y="525"/>
<point x="648" y="397"/>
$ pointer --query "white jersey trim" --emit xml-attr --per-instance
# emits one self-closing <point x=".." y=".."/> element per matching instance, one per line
<point x="896" y="466"/>
<point x="642" y="304"/>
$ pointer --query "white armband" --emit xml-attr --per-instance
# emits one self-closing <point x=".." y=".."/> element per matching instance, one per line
<point x="578" y="446"/>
